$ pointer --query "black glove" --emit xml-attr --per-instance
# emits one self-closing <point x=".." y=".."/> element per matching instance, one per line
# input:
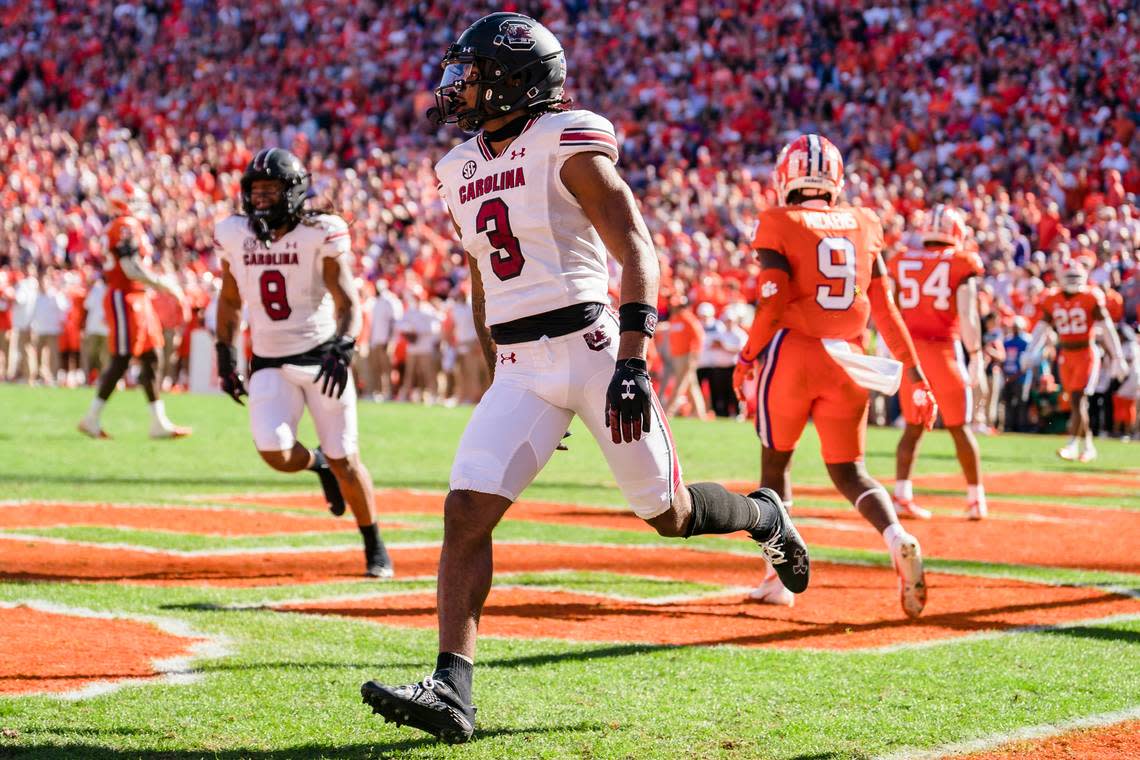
<point x="629" y="400"/>
<point x="335" y="365"/>
<point x="233" y="384"/>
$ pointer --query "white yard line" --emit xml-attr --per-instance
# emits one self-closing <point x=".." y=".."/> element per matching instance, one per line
<point x="992" y="741"/>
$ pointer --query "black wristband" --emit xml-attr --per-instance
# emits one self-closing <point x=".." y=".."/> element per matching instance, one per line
<point x="637" y="317"/>
<point x="227" y="355"/>
<point x="637" y="365"/>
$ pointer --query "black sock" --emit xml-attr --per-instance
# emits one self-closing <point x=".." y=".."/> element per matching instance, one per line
<point x="456" y="672"/>
<point x="718" y="510"/>
<point x="371" y="535"/>
<point x="319" y="461"/>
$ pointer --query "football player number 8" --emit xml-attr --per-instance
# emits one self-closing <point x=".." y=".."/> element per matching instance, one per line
<point x="507" y="258"/>
<point x="836" y="259"/>
<point x="273" y="296"/>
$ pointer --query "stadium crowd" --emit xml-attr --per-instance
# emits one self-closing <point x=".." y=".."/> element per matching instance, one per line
<point x="1003" y="109"/>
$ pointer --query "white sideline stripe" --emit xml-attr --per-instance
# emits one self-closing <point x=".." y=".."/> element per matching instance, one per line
<point x="336" y="548"/>
<point x="1042" y="731"/>
<point x="172" y="670"/>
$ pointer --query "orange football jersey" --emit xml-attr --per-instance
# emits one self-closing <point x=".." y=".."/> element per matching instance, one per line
<point x="1073" y="314"/>
<point x="926" y="287"/>
<point x="120" y="230"/>
<point x="830" y="252"/>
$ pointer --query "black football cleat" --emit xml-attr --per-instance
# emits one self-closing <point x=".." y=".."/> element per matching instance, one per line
<point x="333" y="496"/>
<point x="430" y="706"/>
<point x="378" y="564"/>
<point x="784" y="548"/>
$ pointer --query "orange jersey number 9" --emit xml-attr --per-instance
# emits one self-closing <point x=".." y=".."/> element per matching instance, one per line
<point x="836" y="259"/>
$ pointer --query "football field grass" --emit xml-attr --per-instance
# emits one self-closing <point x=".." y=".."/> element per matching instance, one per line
<point x="243" y="630"/>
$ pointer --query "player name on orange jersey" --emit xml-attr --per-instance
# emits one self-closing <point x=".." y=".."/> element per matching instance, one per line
<point x="830" y="220"/>
<point x="493" y="184"/>
<point x="269" y="259"/>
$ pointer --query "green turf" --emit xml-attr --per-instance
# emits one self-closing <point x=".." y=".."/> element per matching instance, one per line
<point x="288" y="688"/>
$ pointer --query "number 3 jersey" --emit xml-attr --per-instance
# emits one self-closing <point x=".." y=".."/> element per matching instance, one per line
<point x="830" y="251"/>
<point x="290" y="310"/>
<point x="926" y="288"/>
<point x="535" y="249"/>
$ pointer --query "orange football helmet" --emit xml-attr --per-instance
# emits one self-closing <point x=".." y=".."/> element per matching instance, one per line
<point x="810" y="162"/>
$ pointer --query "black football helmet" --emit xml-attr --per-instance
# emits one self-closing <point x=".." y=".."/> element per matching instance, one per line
<point x="278" y="164"/>
<point x="514" y="61"/>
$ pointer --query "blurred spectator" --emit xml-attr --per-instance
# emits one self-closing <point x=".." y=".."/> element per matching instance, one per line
<point x="387" y="311"/>
<point x="723" y="340"/>
<point x="94" y="349"/>
<point x="1015" y="383"/>
<point x="48" y="314"/>
<point x="686" y="341"/>
<point x="421" y="328"/>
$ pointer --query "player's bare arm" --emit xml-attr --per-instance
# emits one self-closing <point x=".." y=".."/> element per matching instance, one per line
<point x="139" y="272"/>
<point x="1119" y="367"/>
<point x="337" y="275"/>
<point x="229" y="322"/>
<point x="479" y="313"/>
<point x="889" y="320"/>
<point x="608" y="203"/>
<point x="229" y="307"/>
<point x="334" y="372"/>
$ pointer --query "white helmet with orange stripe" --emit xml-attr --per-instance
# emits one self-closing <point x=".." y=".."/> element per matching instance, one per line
<point x="944" y="225"/>
<point x="1073" y="276"/>
<point x="125" y="199"/>
<point x="809" y="163"/>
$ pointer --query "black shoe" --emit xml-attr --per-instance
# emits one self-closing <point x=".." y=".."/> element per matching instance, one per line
<point x="331" y="488"/>
<point x="784" y="548"/>
<point x="430" y="706"/>
<point x="379" y="564"/>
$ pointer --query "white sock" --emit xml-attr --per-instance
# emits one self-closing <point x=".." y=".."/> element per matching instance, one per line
<point x="904" y="490"/>
<point x="96" y="409"/>
<point x="1088" y="442"/>
<point x="976" y="494"/>
<point x="158" y="413"/>
<point x="1072" y="444"/>
<point x="893" y="534"/>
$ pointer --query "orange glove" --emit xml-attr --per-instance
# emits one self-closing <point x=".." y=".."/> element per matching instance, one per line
<point x="925" y="404"/>
<point x="745" y="371"/>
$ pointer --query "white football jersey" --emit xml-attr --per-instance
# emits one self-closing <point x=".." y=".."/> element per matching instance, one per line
<point x="535" y="248"/>
<point x="290" y="310"/>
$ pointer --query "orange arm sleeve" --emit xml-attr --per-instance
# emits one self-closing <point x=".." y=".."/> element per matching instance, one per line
<point x="774" y="290"/>
<point x="890" y="323"/>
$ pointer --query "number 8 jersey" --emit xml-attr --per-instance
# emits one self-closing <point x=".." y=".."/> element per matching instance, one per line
<point x="830" y="251"/>
<point x="535" y="248"/>
<point x="289" y="307"/>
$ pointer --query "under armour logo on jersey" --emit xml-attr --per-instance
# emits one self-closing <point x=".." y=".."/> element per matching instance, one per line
<point x="518" y="153"/>
<point x="504" y="358"/>
<point x="628" y="386"/>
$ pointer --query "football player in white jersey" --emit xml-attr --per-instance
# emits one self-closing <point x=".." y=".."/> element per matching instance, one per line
<point x="292" y="265"/>
<point x="538" y="203"/>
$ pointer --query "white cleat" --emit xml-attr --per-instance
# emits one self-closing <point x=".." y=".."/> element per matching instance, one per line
<point x="977" y="510"/>
<point x="1088" y="454"/>
<point x="907" y="508"/>
<point x="772" y="591"/>
<point x="1068" y="453"/>
<point x="169" y="431"/>
<point x="907" y="558"/>
<point x="92" y="429"/>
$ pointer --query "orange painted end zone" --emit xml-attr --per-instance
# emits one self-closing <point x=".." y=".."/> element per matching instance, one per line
<point x="57" y="652"/>
<point x="1116" y="742"/>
